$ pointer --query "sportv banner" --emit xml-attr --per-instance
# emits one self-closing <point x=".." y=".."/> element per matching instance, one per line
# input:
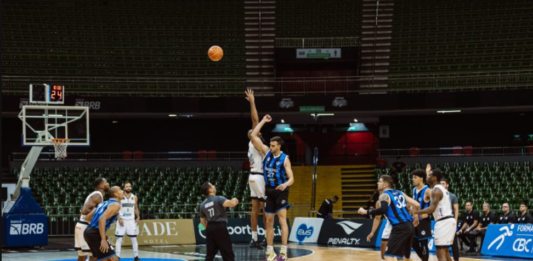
<point x="306" y="230"/>
<point x="159" y="232"/>
<point x="240" y="230"/>
<point x="340" y="232"/>
<point x="514" y="240"/>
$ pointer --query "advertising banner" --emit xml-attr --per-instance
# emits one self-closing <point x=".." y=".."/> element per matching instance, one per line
<point x="159" y="232"/>
<point x="514" y="240"/>
<point x="306" y="230"/>
<point x="318" y="53"/>
<point x="339" y="232"/>
<point x="240" y="230"/>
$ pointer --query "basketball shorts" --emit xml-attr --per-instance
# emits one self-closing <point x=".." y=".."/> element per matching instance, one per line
<point x="276" y="200"/>
<point x="130" y="228"/>
<point x="257" y="186"/>
<point x="92" y="236"/>
<point x="423" y="230"/>
<point x="386" y="232"/>
<point x="444" y="232"/>
<point x="399" y="244"/>
<point x="79" y="242"/>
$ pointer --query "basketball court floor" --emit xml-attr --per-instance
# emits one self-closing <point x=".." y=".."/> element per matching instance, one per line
<point x="242" y="253"/>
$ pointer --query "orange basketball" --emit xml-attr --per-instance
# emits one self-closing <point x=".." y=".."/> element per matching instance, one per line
<point x="215" y="53"/>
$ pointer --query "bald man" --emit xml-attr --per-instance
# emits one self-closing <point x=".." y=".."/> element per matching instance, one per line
<point x="105" y="215"/>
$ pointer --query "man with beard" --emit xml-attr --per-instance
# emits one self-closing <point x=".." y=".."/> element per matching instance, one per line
<point x="128" y="221"/>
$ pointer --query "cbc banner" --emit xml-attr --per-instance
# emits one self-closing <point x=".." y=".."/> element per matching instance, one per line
<point x="159" y="232"/>
<point x="306" y="230"/>
<point x="514" y="240"/>
<point x="240" y="230"/>
<point x="353" y="232"/>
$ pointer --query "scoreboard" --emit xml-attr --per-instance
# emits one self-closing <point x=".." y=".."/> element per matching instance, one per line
<point x="47" y="94"/>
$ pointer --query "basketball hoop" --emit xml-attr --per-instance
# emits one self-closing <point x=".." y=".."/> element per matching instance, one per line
<point x="60" y="146"/>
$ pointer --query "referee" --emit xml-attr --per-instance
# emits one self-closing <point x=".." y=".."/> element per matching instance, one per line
<point x="214" y="219"/>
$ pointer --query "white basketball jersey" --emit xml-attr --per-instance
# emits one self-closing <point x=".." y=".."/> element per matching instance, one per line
<point x="82" y="217"/>
<point x="444" y="209"/>
<point x="128" y="207"/>
<point x="256" y="159"/>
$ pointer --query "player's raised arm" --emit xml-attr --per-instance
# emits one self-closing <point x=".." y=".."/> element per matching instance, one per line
<point x="253" y="111"/>
<point x="256" y="141"/>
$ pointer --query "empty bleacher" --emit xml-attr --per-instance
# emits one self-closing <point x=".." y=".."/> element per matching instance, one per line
<point x="163" y="192"/>
<point x="160" y="38"/>
<point x="432" y="37"/>
<point x="316" y="18"/>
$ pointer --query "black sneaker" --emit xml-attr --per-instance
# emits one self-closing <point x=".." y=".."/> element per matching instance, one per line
<point x="136" y="259"/>
<point x="264" y="243"/>
<point x="255" y="244"/>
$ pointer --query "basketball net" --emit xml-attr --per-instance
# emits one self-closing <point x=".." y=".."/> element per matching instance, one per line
<point x="60" y="147"/>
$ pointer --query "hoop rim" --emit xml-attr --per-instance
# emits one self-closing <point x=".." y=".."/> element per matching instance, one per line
<point x="59" y="140"/>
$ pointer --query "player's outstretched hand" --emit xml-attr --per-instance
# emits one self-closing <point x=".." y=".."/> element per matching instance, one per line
<point x="236" y="200"/>
<point x="428" y="168"/>
<point x="104" y="246"/>
<point x="267" y="118"/>
<point x="250" y="95"/>
<point x="362" y="211"/>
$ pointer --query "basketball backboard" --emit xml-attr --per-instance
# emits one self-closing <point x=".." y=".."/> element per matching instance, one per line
<point x="41" y="124"/>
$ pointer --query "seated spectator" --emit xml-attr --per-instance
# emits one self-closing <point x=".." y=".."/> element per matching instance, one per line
<point x="507" y="217"/>
<point x="399" y="165"/>
<point x="487" y="218"/>
<point x="469" y="224"/>
<point x="524" y="217"/>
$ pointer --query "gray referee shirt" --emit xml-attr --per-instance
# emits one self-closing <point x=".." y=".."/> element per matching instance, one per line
<point x="213" y="210"/>
<point x="454" y="200"/>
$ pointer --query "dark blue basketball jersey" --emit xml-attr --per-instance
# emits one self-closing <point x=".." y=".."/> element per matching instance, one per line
<point x="274" y="170"/>
<point x="397" y="211"/>
<point x="100" y="211"/>
<point x="419" y="196"/>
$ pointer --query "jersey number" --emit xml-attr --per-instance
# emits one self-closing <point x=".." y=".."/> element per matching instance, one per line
<point x="211" y="212"/>
<point x="401" y="201"/>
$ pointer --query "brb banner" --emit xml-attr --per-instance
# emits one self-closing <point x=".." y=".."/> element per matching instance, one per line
<point x="515" y="240"/>
<point x="25" y="224"/>
<point x="340" y="232"/>
<point x="306" y="230"/>
<point x="159" y="232"/>
<point x="240" y="230"/>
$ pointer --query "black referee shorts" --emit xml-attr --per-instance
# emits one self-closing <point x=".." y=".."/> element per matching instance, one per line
<point x="399" y="244"/>
<point x="93" y="239"/>
<point x="218" y="239"/>
<point x="276" y="200"/>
